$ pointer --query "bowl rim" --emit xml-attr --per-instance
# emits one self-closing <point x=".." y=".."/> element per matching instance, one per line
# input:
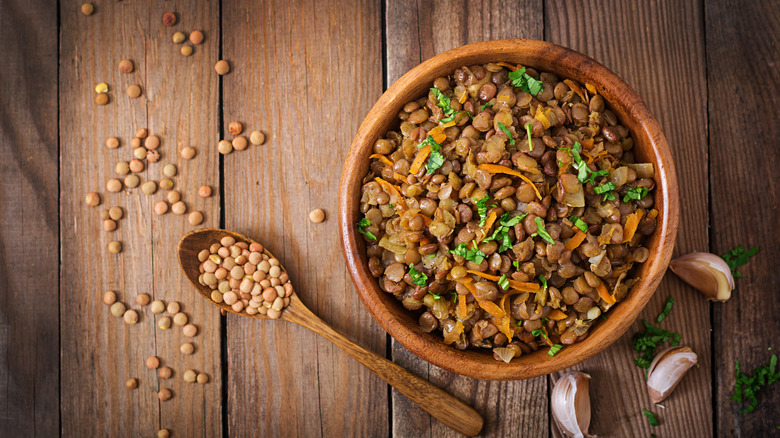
<point x="566" y="63"/>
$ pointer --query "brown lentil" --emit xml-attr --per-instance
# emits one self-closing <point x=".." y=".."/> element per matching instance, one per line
<point x="109" y="225"/>
<point x="204" y="191"/>
<point x="109" y="297"/>
<point x="87" y="8"/>
<point x="164" y="394"/>
<point x="113" y="185"/>
<point x="160" y="207"/>
<point x="131" y="383"/>
<point x="173" y="307"/>
<point x="133" y="91"/>
<point x="149" y="187"/>
<point x="173" y="196"/>
<point x="317" y="215"/>
<point x="235" y="128"/>
<point x="139" y="152"/>
<point x="180" y="319"/>
<point x="152" y="362"/>
<point x="169" y="19"/>
<point x="186" y="50"/>
<point x="178" y="207"/>
<point x="240" y="143"/>
<point x="224" y="147"/>
<point x="130" y="317"/>
<point x="188" y="152"/>
<point x="115" y="247"/>
<point x="132" y="181"/>
<point x="196" y="37"/>
<point x="257" y="138"/>
<point x="190" y="376"/>
<point x="179" y="37"/>
<point x="195" y="218"/>
<point x="104" y="214"/>
<point x="157" y="307"/>
<point x="126" y="66"/>
<point x="163" y="433"/>
<point x="115" y="212"/>
<point x="101" y="99"/>
<point x="169" y="170"/>
<point x="203" y="379"/>
<point x="122" y="168"/>
<point x="93" y="199"/>
<point x="136" y="165"/>
<point x="112" y="142"/>
<point x="141" y="133"/>
<point x="142" y="299"/>
<point x="152" y="156"/>
<point x="165" y="372"/>
<point x="187" y="348"/>
<point x="222" y="67"/>
<point x="166" y="184"/>
<point x="190" y="330"/>
<point x="117" y="309"/>
<point x="152" y="142"/>
<point x="135" y="142"/>
<point x="164" y="323"/>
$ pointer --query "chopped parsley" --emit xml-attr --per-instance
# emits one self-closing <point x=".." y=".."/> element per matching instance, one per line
<point x="648" y="341"/>
<point x="528" y="127"/>
<point x="606" y="189"/>
<point x="472" y="255"/>
<point x="541" y="232"/>
<point x="651" y="417"/>
<point x="503" y="282"/>
<point x="482" y="208"/>
<point x="738" y="257"/>
<point x="539" y="332"/>
<point x="454" y="297"/>
<point x="418" y="277"/>
<point x="604" y="317"/>
<point x="505" y="130"/>
<point x="579" y="223"/>
<point x="516" y="264"/>
<point x="485" y="106"/>
<point x="436" y="159"/>
<point x="362" y="224"/>
<point x="501" y="234"/>
<point x="555" y="349"/>
<point x="544" y="284"/>
<point x="584" y="174"/>
<point x="746" y="386"/>
<point x="525" y="82"/>
<point x="435" y="296"/>
<point x="443" y="102"/>
<point x="635" y="193"/>
<point x="667" y="308"/>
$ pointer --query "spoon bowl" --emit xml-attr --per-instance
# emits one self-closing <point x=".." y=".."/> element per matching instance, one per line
<point x="446" y="408"/>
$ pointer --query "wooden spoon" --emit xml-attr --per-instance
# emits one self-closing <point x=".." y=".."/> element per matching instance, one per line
<point x="445" y="407"/>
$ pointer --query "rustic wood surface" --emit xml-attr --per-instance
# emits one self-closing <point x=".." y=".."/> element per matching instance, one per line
<point x="305" y="73"/>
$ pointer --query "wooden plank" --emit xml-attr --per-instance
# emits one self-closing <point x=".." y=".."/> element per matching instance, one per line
<point x="305" y="73"/>
<point x="99" y="352"/>
<point x="742" y="61"/>
<point x="417" y="31"/>
<point x="29" y="253"/>
<point x="183" y="105"/>
<point x="658" y="48"/>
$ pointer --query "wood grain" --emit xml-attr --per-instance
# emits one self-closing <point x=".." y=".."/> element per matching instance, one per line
<point x="304" y="73"/>
<point x="742" y="67"/>
<point x="99" y="352"/>
<point x="658" y="48"/>
<point x="29" y="235"/>
<point x="416" y="31"/>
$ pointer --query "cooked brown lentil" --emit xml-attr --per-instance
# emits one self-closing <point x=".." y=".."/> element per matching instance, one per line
<point x="499" y="242"/>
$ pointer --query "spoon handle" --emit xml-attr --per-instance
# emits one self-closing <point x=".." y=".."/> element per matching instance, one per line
<point x="446" y="408"/>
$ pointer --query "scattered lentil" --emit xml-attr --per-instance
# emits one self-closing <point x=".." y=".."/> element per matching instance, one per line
<point x="152" y="156"/>
<point x="157" y="307"/>
<point x="164" y="323"/>
<point x="179" y="37"/>
<point x="142" y="299"/>
<point x="117" y="309"/>
<point x="174" y="307"/>
<point x="188" y="152"/>
<point x="112" y="142"/>
<point x="135" y="142"/>
<point x="257" y="138"/>
<point x="235" y="128"/>
<point x="317" y="216"/>
<point x="101" y="88"/>
<point x="164" y="394"/>
<point x="109" y="225"/>
<point x="178" y="207"/>
<point x="190" y="376"/>
<point x="240" y="143"/>
<point x="180" y="319"/>
<point x="139" y="152"/>
<point x="87" y="8"/>
<point x="190" y="330"/>
<point x="113" y="185"/>
<point x="115" y="247"/>
<point x="160" y="208"/>
<point x="186" y="50"/>
<point x="109" y="297"/>
<point x="170" y="170"/>
<point x="101" y="99"/>
<point x="195" y="218"/>
<point x="222" y="67"/>
<point x="163" y="433"/>
<point x="131" y="383"/>
<point x="126" y="66"/>
<point x="224" y="147"/>
<point x="166" y="184"/>
<point x="93" y="199"/>
<point x="187" y="348"/>
<point x="203" y="379"/>
<point x="130" y="317"/>
<point x="149" y="187"/>
<point x="141" y="133"/>
<point x="204" y="191"/>
<point x="174" y="196"/>
<point x="196" y="37"/>
<point x="132" y="181"/>
<point x="122" y="168"/>
<point x="104" y="214"/>
<point x="152" y="142"/>
<point x="115" y="212"/>
<point x="169" y="18"/>
<point x="133" y="91"/>
<point x="165" y="372"/>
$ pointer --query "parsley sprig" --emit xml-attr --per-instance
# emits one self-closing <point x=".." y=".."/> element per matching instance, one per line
<point x="555" y="349"/>
<point x="444" y="102"/>
<point x="482" y="208"/>
<point x="746" y="386"/>
<point x="528" y="127"/>
<point x="506" y="131"/>
<point x="606" y="189"/>
<point x="738" y="257"/>
<point x="503" y="282"/>
<point x="541" y="231"/>
<point x="436" y="159"/>
<point x="584" y="174"/>
<point x="648" y="341"/>
<point x="472" y="255"/>
<point x="501" y="234"/>
<point x="579" y="223"/>
<point x="418" y="277"/>
<point x="651" y="417"/>
<point x="362" y="224"/>
<point x="665" y="312"/>
<point x="636" y="193"/>
<point x="525" y="82"/>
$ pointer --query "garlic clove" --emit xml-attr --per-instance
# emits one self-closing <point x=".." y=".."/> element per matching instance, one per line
<point x="666" y="371"/>
<point x="570" y="403"/>
<point x="706" y="272"/>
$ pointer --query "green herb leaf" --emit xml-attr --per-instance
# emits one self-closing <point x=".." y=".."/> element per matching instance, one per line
<point x="454" y="297"/>
<point x="541" y="232"/>
<point x="503" y="282"/>
<point x="738" y="257"/>
<point x="444" y="103"/>
<point x="435" y="296"/>
<point x="418" y="277"/>
<point x="604" y="317"/>
<point x="606" y="189"/>
<point x="362" y="224"/>
<point x="435" y="161"/>
<point x="485" y="106"/>
<point x="501" y="234"/>
<point x="472" y="255"/>
<point x="747" y="386"/>
<point x="544" y="284"/>
<point x="516" y="264"/>
<point x="505" y="130"/>
<point x="525" y="82"/>
<point x="528" y="127"/>
<point x="584" y="174"/>
<point x="648" y="341"/>
<point x="555" y="349"/>
<point x="635" y="193"/>
<point x="651" y="417"/>
<point x="667" y="308"/>
<point x="579" y="223"/>
<point x="539" y="332"/>
<point x="482" y="208"/>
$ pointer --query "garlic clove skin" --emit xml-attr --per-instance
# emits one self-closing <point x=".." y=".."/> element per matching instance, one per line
<point x="570" y="403"/>
<point x="707" y="273"/>
<point x="666" y="371"/>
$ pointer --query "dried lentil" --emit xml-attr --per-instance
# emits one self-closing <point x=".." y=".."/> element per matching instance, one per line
<point x="204" y="191"/>
<point x="164" y="323"/>
<point x="112" y="142"/>
<point x="101" y="99"/>
<point x="179" y="37"/>
<point x="109" y="297"/>
<point x="180" y="319"/>
<point x="115" y="212"/>
<point x="222" y="67"/>
<point x="87" y="8"/>
<point x="166" y="183"/>
<point x="224" y="147"/>
<point x="317" y="216"/>
<point x="117" y="309"/>
<point x="174" y="196"/>
<point x="164" y="394"/>
<point x="178" y="207"/>
<point x="196" y="37"/>
<point x="133" y="91"/>
<point x="187" y="348"/>
<point x="203" y="379"/>
<point x="132" y="181"/>
<point x="93" y="199"/>
<point x="130" y="317"/>
<point x="188" y="152"/>
<point x="190" y="330"/>
<point x="152" y="142"/>
<point x="135" y="142"/>
<point x="195" y="218"/>
<point x="169" y="19"/>
<point x="157" y="307"/>
<point x="165" y="372"/>
<point x="161" y="207"/>
<point x="131" y="383"/>
<point x="115" y="247"/>
<point x="190" y="376"/>
<point x="163" y="433"/>
<point x="257" y="138"/>
<point x="174" y="307"/>
<point x="235" y="128"/>
<point x="142" y="299"/>
<point x="170" y="170"/>
<point x="139" y="152"/>
<point x="149" y="187"/>
<point x="113" y="185"/>
<point x="126" y="66"/>
<point x="122" y="168"/>
<point x="152" y="156"/>
<point x="186" y="50"/>
<point x="109" y="225"/>
<point x="141" y="133"/>
<point x="240" y="143"/>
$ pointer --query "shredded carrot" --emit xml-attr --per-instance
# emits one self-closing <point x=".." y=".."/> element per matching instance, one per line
<point x="469" y="285"/>
<point x="508" y="65"/>
<point x="524" y="287"/>
<point x="504" y="328"/>
<point x="462" y="308"/>
<point x="591" y="89"/>
<point x="426" y="219"/>
<point x="542" y="117"/>
<point x="497" y="168"/>
<point x="398" y="176"/>
<point x="463" y="98"/>
<point x="392" y="191"/>
<point x="557" y="315"/>
<point x="587" y="143"/>
<point x="592" y="158"/>
<point x="491" y="308"/>
<point x="653" y="213"/>
<point x="438" y="134"/>
<point x="575" y="88"/>
<point x="575" y="240"/>
<point x="606" y="238"/>
<point x="419" y="160"/>
<point x="483" y="275"/>
<point x="488" y="223"/>
<point x="609" y="299"/>
<point x="382" y="158"/>
<point x="448" y="124"/>
<point x="632" y="222"/>
<point x="507" y="295"/>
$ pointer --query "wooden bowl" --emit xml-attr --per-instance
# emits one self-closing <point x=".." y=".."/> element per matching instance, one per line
<point x="649" y="146"/>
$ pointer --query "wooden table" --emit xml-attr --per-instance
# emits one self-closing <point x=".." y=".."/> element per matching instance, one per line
<point x="306" y="73"/>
